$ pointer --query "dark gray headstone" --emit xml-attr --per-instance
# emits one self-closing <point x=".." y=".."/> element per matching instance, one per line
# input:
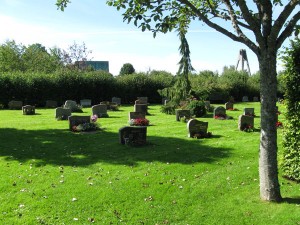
<point x="100" y="110"/>
<point x="141" y="108"/>
<point x="248" y="112"/>
<point x="51" y="104"/>
<point x="15" y="104"/>
<point x="228" y="105"/>
<point x="72" y="105"/>
<point x="182" y="113"/>
<point x="196" y="127"/>
<point x="76" y="120"/>
<point x="116" y="100"/>
<point x="245" y="122"/>
<point x="137" y="115"/>
<point x="86" y="102"/>
<point x="143" y="100"/>
<point x="255" y="99"/>
<point x="62" y="113"/>
<point x="138" y="102"/>
<point x="28" y="110"/>
<point x="133" y="135"/>
<point x="245" y="99"/>
<point x="220" y="111"/>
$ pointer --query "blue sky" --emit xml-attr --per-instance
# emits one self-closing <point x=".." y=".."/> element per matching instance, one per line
<point x="103" y="31"/>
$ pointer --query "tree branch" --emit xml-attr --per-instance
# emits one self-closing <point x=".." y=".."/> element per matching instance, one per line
<point x="255" y="24"/>
<point x="286" y="12"/>
<point x="288" y="30"/>
<point x="220" y="29"/>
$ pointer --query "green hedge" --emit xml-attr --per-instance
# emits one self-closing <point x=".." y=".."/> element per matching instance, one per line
<point x="36" y="88"/>
<point x="291" y="141"/>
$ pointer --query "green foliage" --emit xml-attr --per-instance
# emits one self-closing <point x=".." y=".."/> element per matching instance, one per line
<point x="204" y="84"/>
<point x="169" y="108"/>
<point x="126" y="69"/>
<point x="291" y="142"/>
<point x="35" y="88"/>
<point x="10" y="57"/>
<point x="235" y="82"/>
<point x="37" y="59"/>
<point x="197" y="108"/>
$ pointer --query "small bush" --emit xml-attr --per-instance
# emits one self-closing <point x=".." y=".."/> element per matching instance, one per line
<point x="169" y="108"/>
<point x="197" y="108"/>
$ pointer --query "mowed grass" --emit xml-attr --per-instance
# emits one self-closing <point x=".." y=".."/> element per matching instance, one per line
<point x="50" y="175"/>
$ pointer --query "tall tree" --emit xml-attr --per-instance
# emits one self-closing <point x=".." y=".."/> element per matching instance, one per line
<point x="37" y="59"/>
<point x="10" y="56"/>
<point x="253" y="23"/>
<point x="126" y="69"/>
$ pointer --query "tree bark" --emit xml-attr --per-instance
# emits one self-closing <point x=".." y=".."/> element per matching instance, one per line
<point x="268" y="170"/>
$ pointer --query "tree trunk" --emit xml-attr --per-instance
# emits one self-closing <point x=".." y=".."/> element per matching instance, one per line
<point x="268" y="169"/>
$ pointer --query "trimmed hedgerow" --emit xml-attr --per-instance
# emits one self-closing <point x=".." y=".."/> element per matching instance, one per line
<point x="36" y="88"/>
<point x="291" y="141"/>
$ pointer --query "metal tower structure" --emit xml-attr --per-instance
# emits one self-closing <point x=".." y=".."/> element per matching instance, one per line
<point x="243" y="57"/>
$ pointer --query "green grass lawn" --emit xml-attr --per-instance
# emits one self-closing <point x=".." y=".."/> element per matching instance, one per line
<point x="50" y="175"/>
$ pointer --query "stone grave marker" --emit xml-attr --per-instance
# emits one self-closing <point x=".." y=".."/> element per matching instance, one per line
<point x="15" y="104"/>
<point x="100" y="110"/>
<point x="51" y="104"/>
<point x="182" y="113"/>
<point x="135" y="136"/>
<point x="62" y="113"/>
<point x="228" y="105"/>
<point x="138" y="102"/>
<point x="141" y="108"/>
<point x="72" y="105"/>
<point x="76" y="120"/>
<point x="137" y="115"/>
<point x="163" y="100"/>
<point x="86" y="102"/>
<point x="143" y="100"/>
<point x="104" y="103"/>
<point x="220" y="111"/>
<point x="116" y="100"/>
<point x="166" y="102"/>
<point x="248" y="112"/>
<point x="196" y="127"/>
<point x="28" y="110"/>
<point x="245" y="122"/>
<point x="207" y="105"/>
<point x="255" y="99"/>
<point x="245" y="99"/>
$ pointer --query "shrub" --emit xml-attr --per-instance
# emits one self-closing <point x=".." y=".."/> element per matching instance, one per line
<point x="169" y="108"/>
<point x="197" y="108"/>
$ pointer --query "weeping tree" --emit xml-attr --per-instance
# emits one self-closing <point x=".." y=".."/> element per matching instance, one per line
<point x="263" y="26"/>
<point x="182" y="87"/>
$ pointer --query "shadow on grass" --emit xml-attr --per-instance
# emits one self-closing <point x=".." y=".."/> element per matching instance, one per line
<point x="62" y="147"/>
<point x="292" y="200"/>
